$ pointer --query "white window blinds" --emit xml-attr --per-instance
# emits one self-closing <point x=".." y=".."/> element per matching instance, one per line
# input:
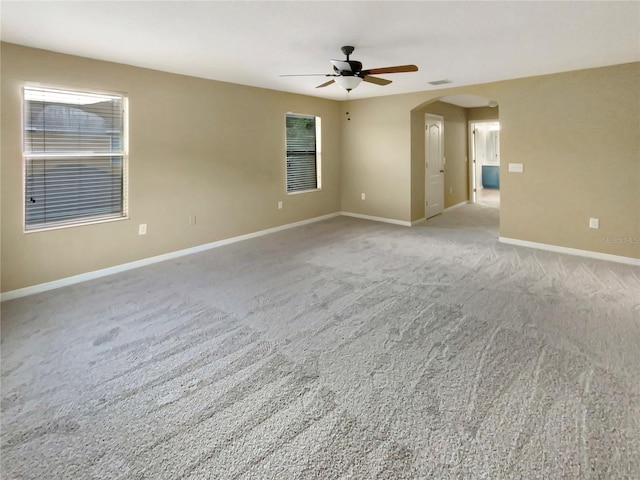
<point x="75" y="159"/>
<point x="302" y="153"/>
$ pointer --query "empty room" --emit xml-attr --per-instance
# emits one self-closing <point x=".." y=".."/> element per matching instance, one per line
<point x="320" y="240"/>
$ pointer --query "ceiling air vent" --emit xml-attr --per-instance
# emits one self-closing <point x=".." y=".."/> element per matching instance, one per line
<point x="440" y="82"/>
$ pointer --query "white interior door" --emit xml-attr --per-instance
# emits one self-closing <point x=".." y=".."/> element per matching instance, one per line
<point x="434" y="165"/>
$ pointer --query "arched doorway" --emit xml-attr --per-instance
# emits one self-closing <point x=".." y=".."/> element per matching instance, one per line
<point x="461" y="115"/>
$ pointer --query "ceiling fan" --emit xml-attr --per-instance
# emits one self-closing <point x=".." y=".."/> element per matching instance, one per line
<point x="349" y="73"/>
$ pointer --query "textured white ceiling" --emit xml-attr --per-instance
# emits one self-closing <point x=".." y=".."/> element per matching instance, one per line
<point x="252" y="43"/>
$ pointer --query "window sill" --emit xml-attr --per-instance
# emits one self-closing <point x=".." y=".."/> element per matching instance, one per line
<point x="73" y="225"/>
<point x="304" y="191"/>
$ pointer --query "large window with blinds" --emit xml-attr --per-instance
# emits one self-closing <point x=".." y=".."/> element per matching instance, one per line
<point x="303" y="153"/>
<point x="75" y="157"/>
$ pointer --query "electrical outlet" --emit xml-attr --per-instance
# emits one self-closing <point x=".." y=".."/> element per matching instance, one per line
<point x="192" y="220"/>
<point x="362" y="196"/>
<point x="142" y="229"/>
<point x="279" y="204"/>
<point x="450" y="190"/>
<point x="594" y="223"/>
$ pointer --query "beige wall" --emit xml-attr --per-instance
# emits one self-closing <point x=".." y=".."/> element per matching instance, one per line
<point x="197" y="147"/>
<point x="378" y="148"/>
<point x="455" y="152"/>
<point x="483" y="113"/>
<point x="576" y="134"/>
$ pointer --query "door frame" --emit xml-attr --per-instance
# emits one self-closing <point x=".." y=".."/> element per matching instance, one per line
<point x="472" y="161"/>
<point x="440" y="118"/>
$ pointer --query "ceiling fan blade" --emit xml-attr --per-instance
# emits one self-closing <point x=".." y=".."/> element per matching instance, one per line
<point x="397" y="69"/>
<point x="376" y="80"/>
<point x="341" y="65"/>
<point x="326" y="84"/>
<point x="309" y="75"/>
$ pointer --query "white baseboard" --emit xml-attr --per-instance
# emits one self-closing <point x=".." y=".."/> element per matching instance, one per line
<point x="457" y="205"/>
<point x="571" y="251"/>
<point x="417" y="222"/>
<point x="377" y="219"/>
<point x="83" y="277"/>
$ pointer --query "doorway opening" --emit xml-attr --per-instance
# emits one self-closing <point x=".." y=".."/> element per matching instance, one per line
<point x="449" y="183"/>
<point x="484" y="168"/>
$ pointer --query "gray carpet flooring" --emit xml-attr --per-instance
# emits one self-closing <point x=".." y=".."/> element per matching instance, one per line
<point x="344" y="349"/>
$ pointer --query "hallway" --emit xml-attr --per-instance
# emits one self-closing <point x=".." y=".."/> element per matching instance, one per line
<point x="489" y="197"/>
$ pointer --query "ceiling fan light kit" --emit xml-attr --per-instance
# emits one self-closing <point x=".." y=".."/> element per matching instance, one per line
<point x="349" y="73"/>
<point x="348" y="83"/>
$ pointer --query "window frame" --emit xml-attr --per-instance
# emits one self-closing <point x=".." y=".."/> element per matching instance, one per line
<point x="318" y="153"/>
<point x="123" y="153"/>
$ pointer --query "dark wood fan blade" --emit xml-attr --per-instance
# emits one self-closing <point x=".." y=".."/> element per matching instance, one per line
<point x="326" y="84"/>
<point x="398" y="69"/>
<point x="376" y="80"/>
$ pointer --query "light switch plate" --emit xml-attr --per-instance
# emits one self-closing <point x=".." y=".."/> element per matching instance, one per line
<point x="594" y="223"/>
<point x="516" y="168"/>
<point x="142" y="229"/>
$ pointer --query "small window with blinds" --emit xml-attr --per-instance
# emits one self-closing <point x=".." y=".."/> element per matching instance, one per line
<point x="303" y="153"/>
<point x="75" y="158"/>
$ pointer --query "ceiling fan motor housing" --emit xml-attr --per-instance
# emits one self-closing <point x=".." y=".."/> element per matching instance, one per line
<point x="355" y="68"/>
